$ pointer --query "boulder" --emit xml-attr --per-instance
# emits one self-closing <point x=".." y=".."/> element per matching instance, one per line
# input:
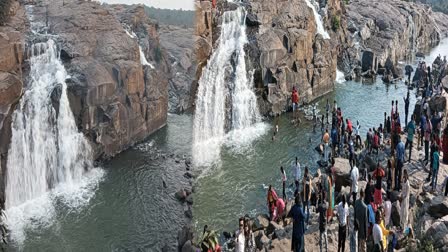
<point x="189" y="199"/>
<point x="273" y="226"/>
<point x="261" y="240"/>
<point x="283" y="245"/>
<point x="188" y="247"/>
<point x="367" y="61"/>
<point x="438" y="207"/>
<point x="184" y="235"/>
<point x="261" y="222"/>
<point x="181" y="195"/>
<point x="341" y="173"/>
<point x="370" y="163"/>
<point x="438" y="233"/>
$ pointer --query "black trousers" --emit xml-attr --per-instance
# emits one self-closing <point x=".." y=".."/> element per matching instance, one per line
<point x="341" y="238"/>
<point x="426" y="149"/>
<point x="398" y="172"/>
<point x="409" y="143"/>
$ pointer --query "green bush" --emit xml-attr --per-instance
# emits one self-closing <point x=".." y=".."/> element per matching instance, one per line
<point x="346" y="1"/>
<point x="157" y="54"/>
<point x="336" y="23"/>
<point x="4" y="10"/>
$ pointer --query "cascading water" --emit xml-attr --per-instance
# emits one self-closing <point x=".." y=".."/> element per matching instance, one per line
<point x="340" y="77"/>
<point x="46" y="151"/>
<point x="413" y="37"/>
<point x="225" y="86"/>
<point x="319" y="23"/>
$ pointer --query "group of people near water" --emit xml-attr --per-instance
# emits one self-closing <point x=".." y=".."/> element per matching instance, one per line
<point x="364" y="215"/>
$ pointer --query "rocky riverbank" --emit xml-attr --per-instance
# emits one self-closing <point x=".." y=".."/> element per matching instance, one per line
<point x="378" y="44"/>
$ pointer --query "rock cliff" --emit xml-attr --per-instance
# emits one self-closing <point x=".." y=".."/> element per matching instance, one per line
<point x="179" y="44"/>
<point x="117" y="96"/>
<point x="285" y="48"/>
<point x="384" y="32"/>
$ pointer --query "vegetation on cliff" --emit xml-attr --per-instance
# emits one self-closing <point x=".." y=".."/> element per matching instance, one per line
<point x="184" y="18"/>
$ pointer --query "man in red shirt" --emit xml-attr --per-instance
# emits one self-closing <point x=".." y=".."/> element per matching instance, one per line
<point x="295" y="101"/>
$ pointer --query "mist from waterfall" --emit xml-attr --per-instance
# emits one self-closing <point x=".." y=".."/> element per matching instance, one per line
<point x="225" y="98"/>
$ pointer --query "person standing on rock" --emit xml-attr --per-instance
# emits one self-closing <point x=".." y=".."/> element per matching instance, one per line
<point x="387" y="209"/>
<point x="327" y="110"/>
<point x="400" y="162"/>
<point x="298" y="226"/>
<point x="322" y="210"/>
<point x="334" y="140"/>
<point x="272" y="200"/>
<point x="427" y="137"/>
<point x="307" y="185"/>
<point x="435" y="168"/>
<point x="406" y="107"/>
<point x="295" y="102"/>
<point x="423" y="121"/>
<point x="343" y="213"/>
<point x="297" y="172"/>
<point x="377" y="234"/>
<point x="240" y="238"/>
<point x="410" y="139"/>
<point x="378" y="174"/>
<point x="369" y="190"/>
<point x="361" y="218"/>
<point x="354" y="175"/>
<point x="431" y="157"/>
<point x="283" y="182"/>
<point x="358" y="139"/>
<point x="326" y="142"/>
<point x="405" y="194"/>
<point x="249" y="234"/>
<point x="445" y="144"/>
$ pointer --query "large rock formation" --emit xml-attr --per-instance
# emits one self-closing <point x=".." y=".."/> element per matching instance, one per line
<point x="179" y="44"/>
<point x="285" y="49"/>
<point x="385" y="32"/>
<point x="117" y="100"/>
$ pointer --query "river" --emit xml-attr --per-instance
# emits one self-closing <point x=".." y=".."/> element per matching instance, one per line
<point x="124" y="207"/>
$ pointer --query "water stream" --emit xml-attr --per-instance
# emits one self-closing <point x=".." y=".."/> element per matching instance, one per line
<point x="319" y="23"/>
<point x="226" y="106"/>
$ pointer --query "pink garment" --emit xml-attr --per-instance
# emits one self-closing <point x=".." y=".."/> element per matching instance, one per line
<point x="280" y="209"/>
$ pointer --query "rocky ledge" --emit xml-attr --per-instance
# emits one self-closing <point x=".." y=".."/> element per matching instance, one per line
<point x="385" y="32"/>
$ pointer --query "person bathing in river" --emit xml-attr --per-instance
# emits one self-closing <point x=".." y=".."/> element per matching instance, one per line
<point x="272" y="201"/>
<point x="283" y="182"/>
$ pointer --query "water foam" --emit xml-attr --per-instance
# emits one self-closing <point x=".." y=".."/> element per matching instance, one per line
<point x="225" y="99"/>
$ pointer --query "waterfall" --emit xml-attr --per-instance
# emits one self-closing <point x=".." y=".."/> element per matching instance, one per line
<point x="413" y="38"/>
<point x="143" y="59"/>
<point x="340" y="77"/>
<point x="225" y="99"/>
<point x="46" y="147"/>
<point x="48" y="158"/>
<point x="319" y="23"/>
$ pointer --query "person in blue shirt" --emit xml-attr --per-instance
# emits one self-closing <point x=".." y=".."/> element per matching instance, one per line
<point x="410" y="139"/>
<point x="298" y="226"/>
<point x="334" y="140"/>
<point x="400" y="162"/>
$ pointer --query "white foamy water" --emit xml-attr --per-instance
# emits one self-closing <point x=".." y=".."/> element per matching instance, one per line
<point x="225" y="95"/>
<point x="47" y="151"/>
<point x="319" y="23"/>
<point x="143" y="59"/>
<point x="340" y="78"/>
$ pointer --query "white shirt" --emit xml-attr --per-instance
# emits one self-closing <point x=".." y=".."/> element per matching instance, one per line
<point x="357" y="129"/>
<point x="240" y="242"/>
<point x="283" y="176"/>
<point x="342" y="214"/>
<point x="296" y="170"/>
<point x="355" y="178"/>
<point x="387" y="211"/>
<point x="377" y="234"/>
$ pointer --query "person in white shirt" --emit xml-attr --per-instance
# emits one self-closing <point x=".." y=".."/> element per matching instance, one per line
<point x="387" y="209"/>
<point x="297" y="173"/>
<point x="354" y="175"/>
<point x="240" y="238"/>
<point x="283" y="182"/>
<point x="377" y="234"/>
<point x="343" y="213"/>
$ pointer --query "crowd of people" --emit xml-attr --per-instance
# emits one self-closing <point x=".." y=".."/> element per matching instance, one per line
<point x="363" y="216"/>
